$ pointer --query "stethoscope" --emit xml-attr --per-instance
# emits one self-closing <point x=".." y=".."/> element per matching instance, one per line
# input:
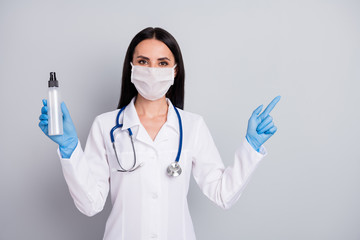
<point x="173" y="169"/>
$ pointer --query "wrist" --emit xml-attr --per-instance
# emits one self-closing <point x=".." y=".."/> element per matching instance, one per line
<point x="252" y="143"/>
<point x="67" y="149"/>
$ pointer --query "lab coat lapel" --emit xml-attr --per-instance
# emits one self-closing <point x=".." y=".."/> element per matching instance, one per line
<point x="131" y="119"/>
<point x="171" y="124"/>
<point x="143" y="136"/>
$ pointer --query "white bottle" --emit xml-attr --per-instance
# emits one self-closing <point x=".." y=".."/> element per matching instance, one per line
<point x="55" y="120"/>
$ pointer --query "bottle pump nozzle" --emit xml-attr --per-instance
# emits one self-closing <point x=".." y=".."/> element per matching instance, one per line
<point x="53" y="82"/>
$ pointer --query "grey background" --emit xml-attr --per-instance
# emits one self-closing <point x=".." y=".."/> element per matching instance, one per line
<point x="238" y="55"/>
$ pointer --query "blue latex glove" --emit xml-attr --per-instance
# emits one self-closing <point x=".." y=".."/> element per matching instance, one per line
<point x="260" y="126"/>
<point x="68" y="141"/>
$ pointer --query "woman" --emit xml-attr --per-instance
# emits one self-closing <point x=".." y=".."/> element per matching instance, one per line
<point x="155" y="137"/>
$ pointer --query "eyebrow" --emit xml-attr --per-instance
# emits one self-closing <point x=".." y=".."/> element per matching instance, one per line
<point x="162" y="58"/>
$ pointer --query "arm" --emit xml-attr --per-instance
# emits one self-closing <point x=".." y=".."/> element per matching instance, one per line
<point x="223" y="186"/>
<point x="87" y="172"/>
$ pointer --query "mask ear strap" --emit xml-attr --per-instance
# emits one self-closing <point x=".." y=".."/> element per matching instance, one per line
<point x="131" y="64"/>
<point x="174" y="70"/>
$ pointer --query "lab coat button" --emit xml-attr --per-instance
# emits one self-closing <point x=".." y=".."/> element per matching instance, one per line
<point x="154" y="196"/>
<point x="154" y="235"/>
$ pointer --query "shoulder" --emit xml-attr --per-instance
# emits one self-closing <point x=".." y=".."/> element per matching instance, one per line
<point x="106" y="119"/>
<point x="189" y="115"/>
<point x="192" y="120"/>
<point x="108" y="115"/>
<point x="195" y="128"/>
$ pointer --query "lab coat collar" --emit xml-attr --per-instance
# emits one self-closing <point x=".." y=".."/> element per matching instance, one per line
<point x="131" y="119"/>
<point x="172" y="119"/>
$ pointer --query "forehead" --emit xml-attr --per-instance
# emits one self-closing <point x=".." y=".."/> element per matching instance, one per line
<point x="153" y="48"/>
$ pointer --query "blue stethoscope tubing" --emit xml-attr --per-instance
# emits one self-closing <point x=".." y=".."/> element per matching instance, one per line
<point x="174" y="168"/>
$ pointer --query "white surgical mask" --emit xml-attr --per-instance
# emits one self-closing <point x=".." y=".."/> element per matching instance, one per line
<point x="152" y="82"/>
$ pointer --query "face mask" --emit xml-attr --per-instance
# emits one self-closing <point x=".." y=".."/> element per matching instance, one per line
<point x="152" y="82"/>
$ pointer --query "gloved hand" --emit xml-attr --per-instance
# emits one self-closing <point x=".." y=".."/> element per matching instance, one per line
<point x="68" y="141"/>
<point x="261" y="127"/>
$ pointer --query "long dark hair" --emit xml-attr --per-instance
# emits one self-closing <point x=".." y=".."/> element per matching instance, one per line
<point x="176" y="91"/>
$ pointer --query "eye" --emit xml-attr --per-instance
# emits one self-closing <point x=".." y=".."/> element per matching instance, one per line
<point x="163" y="63"/>
<point x="142" y="61"/>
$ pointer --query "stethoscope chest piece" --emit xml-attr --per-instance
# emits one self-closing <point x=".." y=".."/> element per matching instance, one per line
<point x="174" y="169"/>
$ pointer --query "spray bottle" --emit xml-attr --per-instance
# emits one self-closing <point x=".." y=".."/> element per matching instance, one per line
<point x="54" y="109"/>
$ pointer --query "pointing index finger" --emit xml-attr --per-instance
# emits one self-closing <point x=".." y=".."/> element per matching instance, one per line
<point x="270" y="107"/>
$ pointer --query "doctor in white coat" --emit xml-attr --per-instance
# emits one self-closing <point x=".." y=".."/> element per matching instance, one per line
<point x="153" y="131"/>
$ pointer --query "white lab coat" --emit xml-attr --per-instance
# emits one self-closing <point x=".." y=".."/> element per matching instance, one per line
<point x="148" y="204"/>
